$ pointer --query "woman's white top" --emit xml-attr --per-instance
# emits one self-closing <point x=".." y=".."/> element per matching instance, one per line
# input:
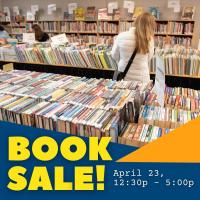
<point x="122" y="50"/>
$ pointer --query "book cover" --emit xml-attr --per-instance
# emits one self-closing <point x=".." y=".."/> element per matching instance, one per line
<point x="188" y="13"/>
<point x="116" y="15"/>
<point x="80" y="14"/>
<point x="103" y="14"/>
<point x="155" y="12"/>
<point x="137" y="11"/>
<point x="91" y="13"/>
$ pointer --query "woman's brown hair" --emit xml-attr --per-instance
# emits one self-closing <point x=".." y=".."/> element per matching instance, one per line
<point x="145" y="26"/>
<point x="38" y="32"/>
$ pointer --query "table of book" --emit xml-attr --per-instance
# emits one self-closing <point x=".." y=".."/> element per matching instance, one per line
<point x="94" y="107"/>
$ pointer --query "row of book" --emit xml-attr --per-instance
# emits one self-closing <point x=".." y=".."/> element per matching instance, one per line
<point x="82" y="106"/>
<point x="186" y="41"/>
<point x="161" y="28"/>
<point x="162" y="41"/>
<point x="185" y="92"/>
<point x="139" y="135"/>
<point x="87" y="27"/>
<point x="107" y="27"/>
<point x="66" y="118"/>
<point x="43" y="53"/>
<point x="176" y="101"/>
<point x="178" y="61"/>
<point x="74" y="119"/>
<point x="50" y="26"/>
<point x="174" y="28"/>
<point x="90" y="39"/>
<point x="125" y="26"/>
<point x="77" y="57"/>
<point x="180" y="28"/>
<point x="165" y="117"/>
<point x="78" y="27"/>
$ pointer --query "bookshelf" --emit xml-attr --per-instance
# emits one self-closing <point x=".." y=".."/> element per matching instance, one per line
<point x="172" y="31"/>
<point x="185" y="81"/>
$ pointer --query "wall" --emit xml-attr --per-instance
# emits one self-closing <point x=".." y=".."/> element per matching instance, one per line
<point x="166" y="13"/>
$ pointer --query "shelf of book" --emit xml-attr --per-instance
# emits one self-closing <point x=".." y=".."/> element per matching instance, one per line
<point x="181" y="76"/>
<point x="55" y="27"/>
<point x="181" y="81"/>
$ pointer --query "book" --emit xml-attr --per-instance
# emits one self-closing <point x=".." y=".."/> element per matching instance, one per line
<point x="154" y="12"/>
<point x="103" y="14"/>
<point x="80" y="14"/>
<point x="91" y="13"/>
<point x="188" y="13"/>
<point x="137" y="11"/>
<point x="67" y="16"/>
<point x="116" y="14"/>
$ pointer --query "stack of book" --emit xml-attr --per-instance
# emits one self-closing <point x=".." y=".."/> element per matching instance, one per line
<point x="178" y="61"/>
<point x="81" y="106"/>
